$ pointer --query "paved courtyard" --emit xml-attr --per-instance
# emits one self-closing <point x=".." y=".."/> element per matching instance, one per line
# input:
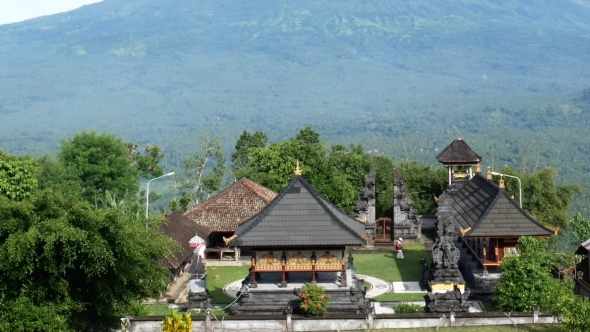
<point x="378" y="286"/>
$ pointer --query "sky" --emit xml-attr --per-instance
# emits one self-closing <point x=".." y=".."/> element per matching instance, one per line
<point x="19" y="10"/>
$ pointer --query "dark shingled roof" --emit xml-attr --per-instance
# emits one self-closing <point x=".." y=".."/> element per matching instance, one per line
<point x="458" y="152"/>
<point x="299" y="216"/>
<point x="490" y="212"/>
<point x="237" y="203"/>
<point x="182" y="229"/>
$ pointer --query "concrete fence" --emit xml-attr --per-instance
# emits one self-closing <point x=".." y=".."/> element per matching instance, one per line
<point x="292" y="323"/>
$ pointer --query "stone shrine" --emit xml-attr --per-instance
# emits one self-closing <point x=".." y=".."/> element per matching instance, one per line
<point x="447" y="292"/>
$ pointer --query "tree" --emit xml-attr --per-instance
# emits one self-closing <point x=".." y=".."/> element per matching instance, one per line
<point x="383" y="186"/>
<point x="541" y="197"/>
<point x="246" y="141"/>
<point x="74" y="265"/>
<point x="424" y="183"/>
<point x="580" y="227"/>
<point x="147" y="159"/>
<point x="204" y="171"/>
<point x="336" y="172"/>
<point x="526" y="279"/>
<point x="17" y="176"/>
<point x="99" y="163"/>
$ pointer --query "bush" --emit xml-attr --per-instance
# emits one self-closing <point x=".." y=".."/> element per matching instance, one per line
<point x="177" y="322"/>
<point x="576" y="314"/>
<point x="408" y="308"/>
<point x="313" y="300"/>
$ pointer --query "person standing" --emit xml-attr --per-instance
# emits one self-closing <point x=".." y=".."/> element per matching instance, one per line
<point x="399" y="247"/>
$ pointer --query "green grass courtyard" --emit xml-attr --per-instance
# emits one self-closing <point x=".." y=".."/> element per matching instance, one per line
<point x="380" y="265"/>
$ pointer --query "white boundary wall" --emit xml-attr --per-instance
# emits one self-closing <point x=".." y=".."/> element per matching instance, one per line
<point x="359" y="323"/>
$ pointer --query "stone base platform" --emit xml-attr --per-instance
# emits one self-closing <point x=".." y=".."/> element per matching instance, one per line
<point x="268" y="298"/>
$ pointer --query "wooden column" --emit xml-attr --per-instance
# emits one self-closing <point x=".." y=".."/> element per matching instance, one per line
<point x="313" y="272"/>
<point x="253" y="283"/>
<point x="283" y="275"/>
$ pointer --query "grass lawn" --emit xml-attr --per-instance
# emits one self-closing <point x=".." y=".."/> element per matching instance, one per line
<point x="385" y="265"/>
<point x="395" y="297"/>
<point x="496" y="328"/>
<point x="219" y="276"/>
<point x="163" y="310"/>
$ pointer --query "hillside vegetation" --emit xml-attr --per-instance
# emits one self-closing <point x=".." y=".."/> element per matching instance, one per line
<point x="403" y="77"/>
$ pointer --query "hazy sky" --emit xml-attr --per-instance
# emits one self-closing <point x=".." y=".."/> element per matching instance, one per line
<point x="20" y="10"/>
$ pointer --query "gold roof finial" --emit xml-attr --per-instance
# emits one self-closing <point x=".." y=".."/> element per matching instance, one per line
<point x="489" y="174"/>
<point x="478" y="168"/>
<point x="297" y="169"/>
<point x="502" y="183"/>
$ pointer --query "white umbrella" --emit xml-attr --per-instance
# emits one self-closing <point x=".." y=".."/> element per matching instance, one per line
<point x="196" y="242"/>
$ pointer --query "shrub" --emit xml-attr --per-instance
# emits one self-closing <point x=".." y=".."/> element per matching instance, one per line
<point x="576" y="314"/>
<point x="177" y="322"/>
<point x="138" y="309"/>
<point x="408" y="308"/>
<point x="313" y="300"/>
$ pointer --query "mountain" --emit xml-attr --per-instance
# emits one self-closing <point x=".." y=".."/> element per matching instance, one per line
<point x="400" y="76"/>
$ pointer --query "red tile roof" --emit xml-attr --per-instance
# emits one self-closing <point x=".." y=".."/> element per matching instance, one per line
<point x="239" y="202"/>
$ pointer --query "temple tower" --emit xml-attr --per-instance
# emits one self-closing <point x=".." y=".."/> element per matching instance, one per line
<point x="459" y="159"/>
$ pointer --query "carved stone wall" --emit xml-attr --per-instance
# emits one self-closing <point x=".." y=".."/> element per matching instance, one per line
<point x="406" y="223"/>
<point x="365" y="204"/>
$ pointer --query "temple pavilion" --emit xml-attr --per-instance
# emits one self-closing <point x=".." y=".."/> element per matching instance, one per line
<point x="299" y="237"/>
<point x="489" y="221"/>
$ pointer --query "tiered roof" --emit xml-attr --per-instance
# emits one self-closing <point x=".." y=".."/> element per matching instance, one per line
<point x="237" y="203"/>
<point x="300" y="216"/>
<point x="458" y="152"/>
<point x="482" y="209"/>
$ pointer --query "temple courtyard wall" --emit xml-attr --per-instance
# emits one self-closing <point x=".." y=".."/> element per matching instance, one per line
<point x="288" y="323"/>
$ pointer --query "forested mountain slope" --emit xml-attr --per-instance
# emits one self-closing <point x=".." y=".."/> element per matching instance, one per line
<point x="400" y="76"/>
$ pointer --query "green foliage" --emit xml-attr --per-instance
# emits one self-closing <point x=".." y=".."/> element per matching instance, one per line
<point x="336" y="172"/>
<point x="20" y="314"/>
<point x="204" y="171"/>
<point x="541" y="196"/>
<point x="526" y="280"/>
<point x="580" y="227"/>
<point x="138" y="309"/>
<point x="177" y="322"/>
<point x="246" y="141"/>
<point x="383" y="186"/>
<point x="424" y="183"/>
<point x="313" y="300"/>
<point x="147" y="159"/>
<point x="76" y="263"/>
<point x="17" y="176"/>
<point x="408" y="308"/>
<point x="100" y="162"/>
<point x="576" y="314"/>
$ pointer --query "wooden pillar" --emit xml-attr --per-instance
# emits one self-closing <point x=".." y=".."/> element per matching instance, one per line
<point x="313" y="273"/>
<point x="253" y="283"/>
<point x="283" y="274"/>
<point x="343" y="282"/>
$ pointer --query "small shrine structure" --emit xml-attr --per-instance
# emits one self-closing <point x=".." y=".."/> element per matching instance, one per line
<point x="300" y="237"/>
<point x="488" y="221"/>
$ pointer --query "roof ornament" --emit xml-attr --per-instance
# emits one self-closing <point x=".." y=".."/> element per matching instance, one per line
<point x="478" y="168"/>
<point x="489" y="174"/>
<point x="297" y="169"/>
<point x="502" y="183"/>
<point x="459" y="137"/>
